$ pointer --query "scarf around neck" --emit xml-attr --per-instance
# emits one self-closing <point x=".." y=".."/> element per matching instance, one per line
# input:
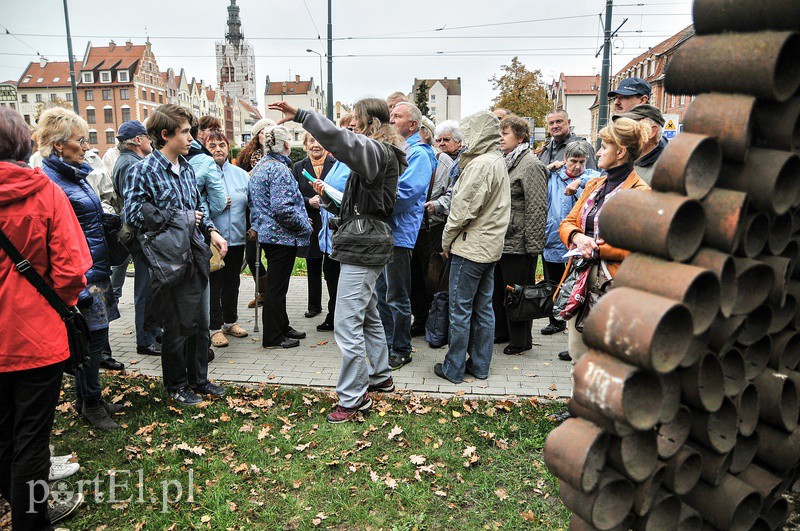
<point x="513" y="157"/>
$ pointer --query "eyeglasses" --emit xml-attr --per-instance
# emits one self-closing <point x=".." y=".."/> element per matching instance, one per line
<point x="82" y="141"/>
<point x="444" y="139"/>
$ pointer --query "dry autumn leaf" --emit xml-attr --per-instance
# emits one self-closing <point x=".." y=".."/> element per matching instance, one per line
<point x="501" y="493"/>
<point x="397" y="430"/>
<point x="528" y="516"/>
<point x="418" y="459"/>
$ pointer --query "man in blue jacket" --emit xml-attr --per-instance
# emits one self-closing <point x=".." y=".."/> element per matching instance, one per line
<point x="394" y="284"/>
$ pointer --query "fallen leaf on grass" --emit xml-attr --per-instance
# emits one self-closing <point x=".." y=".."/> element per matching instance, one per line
<point x="418" y="459"/>
<point x="501" y="493"/>
<point x="397" y="430"/>
<point x="553" y="387"/>
<point x="205" y="518"/>
<point x="528" y="516"/>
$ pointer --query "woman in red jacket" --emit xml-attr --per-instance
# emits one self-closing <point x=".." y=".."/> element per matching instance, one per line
<point x="37" y="217"/>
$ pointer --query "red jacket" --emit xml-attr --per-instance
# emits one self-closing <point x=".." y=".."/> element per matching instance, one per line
<point x="37" y="217"/>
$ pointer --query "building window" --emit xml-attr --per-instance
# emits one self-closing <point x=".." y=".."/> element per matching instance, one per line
<point x="105" y="77"/>
<point x="160" y="98"/>
<point x="152" y="96"/>
<point x="27" y="118"/>
<point x="53" y="97"/>
<point x="106" y="94"/>
<point x="69" y="96"/>
<point x="673" y="101"/>
<point x="126" y="114"/>
<point x="24" y="98"/>
<point x="89" y="95"/>
<point x="13" y="105"/>
<point x="93" y="137"/>
<point x="124" y="94"/>
<point x="38" y="98"/>
<point x="144" y="94"/>
<point x="109" y="137"/>
<point x="123" y="76"/>
<point x="108" y="115"/>
<point x="683" y="100"/>
<point x="144" y="112"/>
<point x="88" y="77"/>
<point x="90" y="118"/>
<point x="433" y="98"/>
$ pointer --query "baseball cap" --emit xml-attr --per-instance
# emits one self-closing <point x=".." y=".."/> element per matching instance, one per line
<point x="630" y="87"/>
<point x="643" y="111"/>
<point x="130" y="129"/>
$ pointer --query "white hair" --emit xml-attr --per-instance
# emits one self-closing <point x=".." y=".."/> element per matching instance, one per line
<point x="275" y="138"/>
<point x="452" y="127"/>
<point x="413" y="111"/>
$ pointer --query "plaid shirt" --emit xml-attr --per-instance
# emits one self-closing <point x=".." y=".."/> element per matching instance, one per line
<point x="152" y="180"/>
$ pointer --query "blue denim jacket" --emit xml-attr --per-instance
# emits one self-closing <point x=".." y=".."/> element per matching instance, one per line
<point x="558" y="207"/>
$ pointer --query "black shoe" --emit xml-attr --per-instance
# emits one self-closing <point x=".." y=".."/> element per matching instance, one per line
<point x="152" y="350"/>
<point x="564" y="356"/>
<point x="110" y="407"/>
<point x="514" y="350"/>
<point x="209" y="388"/>
<point x="418" y="328"/>
<point x="468" y="370"/>
<point x="284" y="342"/>
<point x="313" y="313"/>
<point x="112" y="365"/>
<point x="291" y="333"/>
<point x="62" y="510"/>
<point x="185" y="397"/>
<point x="398" y="360"/>
<point x="211" y="355"/>
<point x="158" y="339"/>
<point x="97" y="416"/>
<point x="386" y="386"/>
<point x="551" y="329"/>
<point x="325" y="326"/>
<point x="438" y="370"/>
<point x="499" y="340"/>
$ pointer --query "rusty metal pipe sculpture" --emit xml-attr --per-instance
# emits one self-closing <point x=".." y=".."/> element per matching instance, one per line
<point x="695" y="287"/>
<point x="776" y="448"/>
<point x="756" y="356"/>
<point x="682" y="471"/>
<point x="689" y="519"/>
<point x="672" y="435"/>
<point x="747" y="409"/>
<point x="635" y="455"/>
<point x="732" y="505"/>
<point x="785" y="352"/>
<point x="770" y="178"/>
<point x="732" y="363"/>
<point x="645" y="492"/>
<point x="720" y="16"/>
<point x="727" y="117"/>
<point x="769" y="70"/>
<point x="744" y="452"/>
<point x="703" y="383"/>
<point x="777" y="125"/>
<point x="754" y="281"/>
<point x="778" y="400"/>
<point x="640" y="328"/>
<point x="755" y="233"/>
<point x="663" y="515"/>
<point x="781" y="275"/>
<point x="724" y="269"/>
<point x="716" y="430"/>
<point x="665" y="225"/>
<point x="689" y="166"/>
<point x="715" y="465"/>
<point x="780" y="234"/>
<point x="575" y="452"/>
<point x="607" y="506"/>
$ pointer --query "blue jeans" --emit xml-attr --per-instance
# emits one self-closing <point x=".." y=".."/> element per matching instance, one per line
<point x="145" y="335"/>
<point x="471" y="319"/>
<point x="394" y="301"/>
<point x="87" y="381"/>
<point x="118" y="277"/>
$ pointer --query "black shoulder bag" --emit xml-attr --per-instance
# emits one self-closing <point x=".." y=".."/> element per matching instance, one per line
<point x="528" y="302"/>
<point x="77" y="330"/>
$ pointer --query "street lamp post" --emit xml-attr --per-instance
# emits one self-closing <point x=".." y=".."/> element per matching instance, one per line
<point x="309" y="50"/>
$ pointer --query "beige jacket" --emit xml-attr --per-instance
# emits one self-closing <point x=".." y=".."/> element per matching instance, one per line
<point x="480" y="210"/>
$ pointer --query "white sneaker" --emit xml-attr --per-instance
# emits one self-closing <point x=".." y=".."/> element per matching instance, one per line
<point x="61" y="459"/>
<point x="62" y="470"/>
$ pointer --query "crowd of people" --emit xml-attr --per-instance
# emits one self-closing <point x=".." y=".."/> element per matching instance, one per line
<point x="381" y="196"/>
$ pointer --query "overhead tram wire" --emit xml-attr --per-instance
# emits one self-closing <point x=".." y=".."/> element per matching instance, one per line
<point x="8" y="32"/>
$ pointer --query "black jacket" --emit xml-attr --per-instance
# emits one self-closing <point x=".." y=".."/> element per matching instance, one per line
<point x="312" y="251"/>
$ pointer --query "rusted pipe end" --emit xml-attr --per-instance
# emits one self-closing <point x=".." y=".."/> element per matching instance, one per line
<point x="689" y="519"/>
<point x="607" y="506"/>
<point x="719" y="16"/>
<point x="782" y="273"/>
<point x="754" y="281"/>
<point x="776" y="512"/>
<point x="785" y="353"/>
<point x="747" y="409"/>
<point x="766" y="483"/>
<point x="744" y="452"/>
<point x="613" y="427"/>
<point x="733" y="505"/>
<point x="755" y="325"/>
<point x="663" y="515"/>
<point x="716" y="430"/>
<point x="646" y="491"/>
<point x="756" y="356"/>
<point x="576" y="452"/>
<point x="683" y="471"/>
<point x="778" y="400"/>
<point x="715" y="465"/>
<point x="755" y="232"/>
<point x="792" y="252"/>
<point x="672" y="435"/>
<point x="636" y="455"/>
<point x="776" y="448"/>
<point x="697" y="348"/>
<point x="702" y="383"/>
<point x="732" y="363"/>
<point x="787" y="72"/>
<point x="724" y="332"/>
<point x="670" y="396"/>
<point x="782" y="316"/>
<point x="727" y="117"/>
<point x="689" y="166"/>
<point x="780" y="233"/>
<point x="777" y="125"/>
<point x="724" y="269"/>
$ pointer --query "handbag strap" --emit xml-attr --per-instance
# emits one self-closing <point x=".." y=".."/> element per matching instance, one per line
<point x="26" y="269"/>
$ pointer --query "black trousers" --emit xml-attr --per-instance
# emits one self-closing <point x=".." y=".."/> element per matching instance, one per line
<point x="314" y="268"/>
<point x="250" y="255"/>
<point x="280" y="262"/>
<point x="225" y="289"/>
<point x="331" y="269"/>
<point x="429" y="241"/>
<point x="28" y="401"/>
<point x="553" y="271"/>
<point x="512" y="269"/>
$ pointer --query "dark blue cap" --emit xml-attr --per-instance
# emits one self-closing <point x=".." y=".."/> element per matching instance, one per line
<point x="632" y="86"/>
<point x="130" y="129"/>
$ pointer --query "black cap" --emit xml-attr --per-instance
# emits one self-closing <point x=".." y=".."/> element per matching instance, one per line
<point x="631" y="86"/>
<point x="643" y="111"/>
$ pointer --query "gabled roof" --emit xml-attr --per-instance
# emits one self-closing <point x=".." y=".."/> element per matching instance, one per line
<point x="576" y="85"/>
<point x="9" y="82"/>
<point x="52" y="74"/>
<point x="250" y="109"/>
<point x="452" y="86"/>
<point x="276" y="88"/>
<point x="661" y="48"/>
<point x="210" y="94"/>
<point x="116" y="56"/>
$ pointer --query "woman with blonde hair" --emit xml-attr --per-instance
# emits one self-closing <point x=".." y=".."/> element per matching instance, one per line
<point x="622" y="143"/>
<point x="279" y="218"/>
<point x="362" y="242"/>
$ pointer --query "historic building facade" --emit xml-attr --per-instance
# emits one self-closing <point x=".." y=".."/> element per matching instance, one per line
<point x="236" y="62"/>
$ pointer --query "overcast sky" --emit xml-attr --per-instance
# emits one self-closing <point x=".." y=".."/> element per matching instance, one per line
<point x="403" y="39"/>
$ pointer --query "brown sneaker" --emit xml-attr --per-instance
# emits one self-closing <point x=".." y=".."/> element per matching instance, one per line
<point x="260" y="300"/>
<point x="386" y="386"/>
<point x="343" y="414"/>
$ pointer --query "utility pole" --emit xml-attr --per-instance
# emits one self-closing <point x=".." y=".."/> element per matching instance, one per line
<point x="71" y="62"/>
<point x="330" y="63"/>
<point x="602" y="117"/>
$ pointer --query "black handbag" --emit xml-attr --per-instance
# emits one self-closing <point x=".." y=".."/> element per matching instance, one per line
<point x="529" y="302"/>
<point x="77" y="329"/>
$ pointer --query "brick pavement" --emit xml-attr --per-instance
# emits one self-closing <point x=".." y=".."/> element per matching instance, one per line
<point x="316" y="362"/>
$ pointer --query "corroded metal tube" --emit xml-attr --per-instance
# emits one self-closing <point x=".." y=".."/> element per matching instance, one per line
<point x="724" y="269"/>
<point x="695" y="287"/>
<point x="756" y="356"/>
<point x="714" y="465"/>
<point x="682" y="471"/>
<point x="776" y="512"/>
<point x="645" y="492"/>
<point x="781" y="275"/>
<point x="663" y="515"/>
<point x="607" y="506"/>
<point x="670" y="396"/>
<point x="755" y="233"/>
<point x="702" y="384"/>
<point x="646" y="330"/>
<point x="727" y="117"/>
<point x="697" y="348"/>
<point x="782" y="316"/>
<point x="716" y="430"/>
<point x="575" y="452"/>
<point x="732" y="505"/>
<point x="665" y="225"/>
<point x="755" y="325"/>
<point x="576" y="523"/>
<point x="769" y="177"/>
<point x="780" y="234"/>
<point x="724" y="332"/>
<point x="613" y="427"/>
<point x="776" y="448"/>
<point x="689" y="166"/>
<point x="617" y="390"/>
<point x="747" y="409"/>
<point x="725" y="212"/>
<point x="779" y="404"/>
<point x="769" y="70"/>
<point x="766" y="483"/>
<point x="744" y="452"/>
<point x="689" y="519"/>
<point x="719" y="16"/>
<point x="635" y="455"/>
<point x="672" y="435"/>
<point x="754" y="281"/>
<point x="785" y="352"/>
<point x="732" y="363"/>
<point x="794" y="290"/>
<point x="777" y="125"/>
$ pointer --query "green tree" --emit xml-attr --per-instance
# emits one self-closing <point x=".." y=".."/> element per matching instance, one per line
<point x="521" y="91"/>
<point x="421" y="98"/>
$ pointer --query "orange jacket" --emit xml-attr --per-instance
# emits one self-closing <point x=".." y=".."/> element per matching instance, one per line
<point x="571" y="224"/>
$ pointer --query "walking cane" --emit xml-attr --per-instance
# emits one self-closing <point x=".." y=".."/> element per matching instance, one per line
<point x="258" y="262"/>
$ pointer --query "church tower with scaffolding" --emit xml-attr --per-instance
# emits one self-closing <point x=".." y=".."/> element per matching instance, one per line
<point x="236" y="62"/>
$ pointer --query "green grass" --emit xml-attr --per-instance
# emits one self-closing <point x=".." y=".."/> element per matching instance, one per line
<point x="264" y="458"/>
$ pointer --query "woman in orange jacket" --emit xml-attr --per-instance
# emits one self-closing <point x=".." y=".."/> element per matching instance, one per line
<point x="622" y="143"/>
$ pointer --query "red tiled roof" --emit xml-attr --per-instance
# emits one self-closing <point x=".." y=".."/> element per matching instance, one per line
<point x="661" y="47"/>
<point x="453" y="86"/>
<point x="9" y="82"/>
<point x="291" y="87"/>
<point x="210" y="94"/>
<point x="252" y="110"/>
<point x="51" y="71"/>
<point x="580" y="84"/>
<point x="107" y="58"/>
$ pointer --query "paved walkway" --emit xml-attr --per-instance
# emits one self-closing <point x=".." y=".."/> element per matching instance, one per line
<point x="316" y="362"/>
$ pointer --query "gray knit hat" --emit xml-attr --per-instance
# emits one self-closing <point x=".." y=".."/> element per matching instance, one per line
<point x="260" y="125"/>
